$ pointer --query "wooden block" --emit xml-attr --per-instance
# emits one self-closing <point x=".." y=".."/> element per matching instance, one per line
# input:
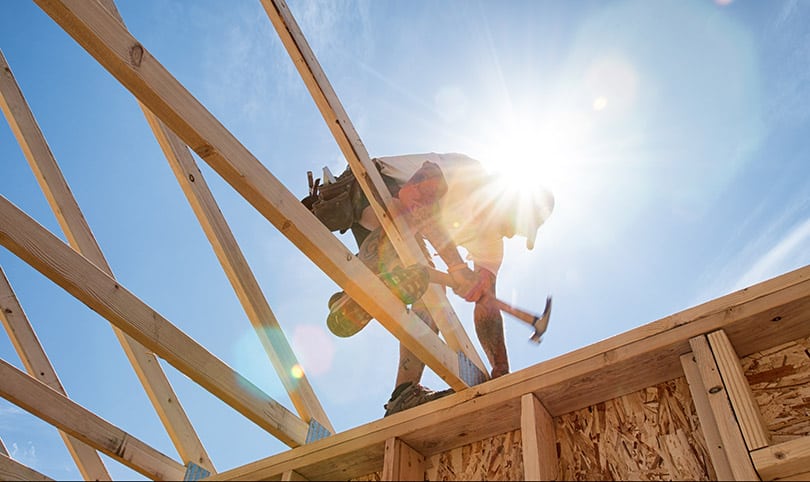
<point x="539" y="440"/>
<point x="708" y="424"/>
<point x="58" y="410"/>
<point x="401" y="462"/>
<point x="729" y="430"/>
<point x="292" y="476"/>
<point x="739" y="391"/>
<point x="787" y="459"/>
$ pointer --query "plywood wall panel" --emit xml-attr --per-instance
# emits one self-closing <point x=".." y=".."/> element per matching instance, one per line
<point x="496" y="458"/>
<point x="652" y="434"/>
<point x="780" y="380"/>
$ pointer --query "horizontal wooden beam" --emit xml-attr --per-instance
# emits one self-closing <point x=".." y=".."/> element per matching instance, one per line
<point x="10" y="469"/>
<point x="37" y="364"/>
<point x="37" y="398"/>
<point x="73" y="223"/>
<point x="89" y="284"/>
<point x="108" y="41"/>
<point x="786" y="459"/>
<point x="623" y="364"/>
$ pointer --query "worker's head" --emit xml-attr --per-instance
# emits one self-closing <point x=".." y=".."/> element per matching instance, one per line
<point x="524" y="211"/>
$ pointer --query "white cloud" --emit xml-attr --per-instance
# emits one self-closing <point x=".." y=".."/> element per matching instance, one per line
<point x="785" y="255"/>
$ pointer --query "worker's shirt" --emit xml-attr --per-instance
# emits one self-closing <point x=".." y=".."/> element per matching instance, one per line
<point x="463" y="210"/>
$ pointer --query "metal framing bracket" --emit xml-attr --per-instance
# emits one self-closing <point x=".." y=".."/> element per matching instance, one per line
<point x="195" y="472"/>
<point x="468" y="372"/>
<point x="316" y="431"/>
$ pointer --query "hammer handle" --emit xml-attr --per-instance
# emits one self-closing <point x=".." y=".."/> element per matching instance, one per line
<point x="444" y="279"/>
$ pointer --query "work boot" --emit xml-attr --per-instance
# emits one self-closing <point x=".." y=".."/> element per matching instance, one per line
<point x="407" y="395"/>
<point x="347" y="317"/>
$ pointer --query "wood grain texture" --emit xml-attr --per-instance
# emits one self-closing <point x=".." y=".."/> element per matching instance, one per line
<point x="108" y="41"/>
<point x="787" y="459"/>
<point x="37" y="364"/>
<point x="49" y="405"/>
<point x="652" y="434"/>
<point x="103" y="294"/>
<point x="708" y="425"/>
<point x="621" y="365"/>
<point x="10" y="470"/>
<point x="238" y="271"/>
<point x="780" y="381"/>
<point x="539" y="440"/>
<point x="494" y="458"/>
<point x="401" y="462"/>
<point x="739" y="392"/>
<point x="369" y="179"/>
<point x="80" y="237"/>
<point x="729" y="430"/>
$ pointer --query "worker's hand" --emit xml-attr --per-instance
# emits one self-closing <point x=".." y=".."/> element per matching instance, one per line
<point x="468" y="284"/>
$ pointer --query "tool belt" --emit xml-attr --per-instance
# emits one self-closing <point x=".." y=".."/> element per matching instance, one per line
<point x="338" y="205"/>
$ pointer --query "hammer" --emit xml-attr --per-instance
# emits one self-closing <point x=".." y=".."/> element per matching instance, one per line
<point x="539" y="323"/>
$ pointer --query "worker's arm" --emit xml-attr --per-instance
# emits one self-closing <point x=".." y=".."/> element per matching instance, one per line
<point x="420" y="197"/>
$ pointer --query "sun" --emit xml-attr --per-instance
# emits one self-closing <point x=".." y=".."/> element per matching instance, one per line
<point x="527" y="151"/>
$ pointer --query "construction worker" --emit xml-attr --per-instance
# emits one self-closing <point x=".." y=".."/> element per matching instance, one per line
<point x="451" y="201"/>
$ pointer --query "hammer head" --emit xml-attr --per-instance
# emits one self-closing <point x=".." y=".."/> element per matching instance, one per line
<point x="540" y="323"/>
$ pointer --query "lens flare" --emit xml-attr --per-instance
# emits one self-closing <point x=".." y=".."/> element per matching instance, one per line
<point x="296" y="371"/>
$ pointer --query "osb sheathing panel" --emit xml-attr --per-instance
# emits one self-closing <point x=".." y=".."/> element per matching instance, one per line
<point x="372" y="477"/>
<point x="780" y="380"/>
<point x="652" y="434"/>
<point x="495" y="458"/>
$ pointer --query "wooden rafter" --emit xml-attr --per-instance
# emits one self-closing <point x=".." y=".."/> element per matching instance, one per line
<point x="39" y="399"/>
<point x="395" y="225"/>
<point x="38" y="365"/>
<point x="80" y="236"/>
<point x="236" y="267"/>
<point x="48" y="254"/>
<point x="622" y="364"/>
<point x="107" y="40"/>
<point x="10" y="469"/>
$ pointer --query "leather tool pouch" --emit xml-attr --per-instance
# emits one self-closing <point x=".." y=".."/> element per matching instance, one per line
<point x="337" y="206"/>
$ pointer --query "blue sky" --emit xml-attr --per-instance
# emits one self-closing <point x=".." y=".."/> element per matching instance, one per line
<point x="673" y="133"/>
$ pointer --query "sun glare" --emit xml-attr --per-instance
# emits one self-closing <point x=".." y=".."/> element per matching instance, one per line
<point x="531" y="153"/>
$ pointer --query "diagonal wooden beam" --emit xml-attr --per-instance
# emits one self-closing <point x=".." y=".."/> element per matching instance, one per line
<point x="236" y="267"/>
<point x="100" y="292"/>
<point x="240" y="275"/>
<point x="10" y="469"/>
<point x="395" y="225"/>
<point x="76" y="229"/>
<point x="108" y="41"/>
<point x="38" y="365"/>
<point x="37" y="398"/>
